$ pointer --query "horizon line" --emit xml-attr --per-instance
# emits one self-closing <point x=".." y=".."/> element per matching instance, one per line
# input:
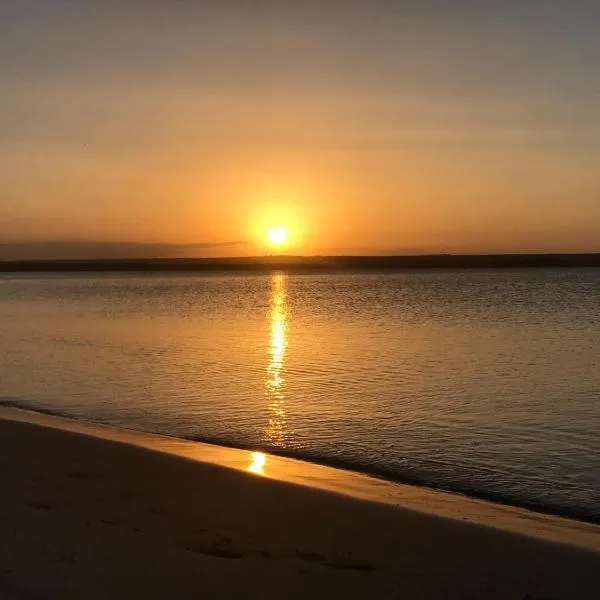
<point x="308" y="263"/>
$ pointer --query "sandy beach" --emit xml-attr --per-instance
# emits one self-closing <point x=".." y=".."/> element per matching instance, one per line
<point x="87" y="517"/>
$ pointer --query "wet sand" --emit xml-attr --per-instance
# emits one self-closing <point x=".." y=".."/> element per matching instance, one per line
<point x="93" y="512"/>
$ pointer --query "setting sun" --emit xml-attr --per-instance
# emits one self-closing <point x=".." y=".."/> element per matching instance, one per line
<point x="277" y="235"/>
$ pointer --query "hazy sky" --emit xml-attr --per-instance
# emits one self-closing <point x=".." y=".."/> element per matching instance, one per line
<point x="364" y="126"/>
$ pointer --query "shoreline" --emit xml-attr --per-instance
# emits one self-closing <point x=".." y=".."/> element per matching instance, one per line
<point x="382" y="475"/>
<point x="394" y="478"/>
<point x="96" y="512"/>
<point x="333" y="478"/>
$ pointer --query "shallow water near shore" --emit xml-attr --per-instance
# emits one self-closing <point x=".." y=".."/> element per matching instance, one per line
<point x="485" y="382"/>
<point x="320" y="478"/>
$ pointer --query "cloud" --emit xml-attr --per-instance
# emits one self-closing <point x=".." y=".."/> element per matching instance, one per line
<point x="57" y="250"/>
<point x="211" y="244"/>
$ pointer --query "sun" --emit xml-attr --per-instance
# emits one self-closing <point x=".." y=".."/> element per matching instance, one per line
<point x="277" y="235"/>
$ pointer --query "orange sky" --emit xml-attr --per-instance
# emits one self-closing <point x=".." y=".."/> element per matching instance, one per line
<point x="360" y="128"/>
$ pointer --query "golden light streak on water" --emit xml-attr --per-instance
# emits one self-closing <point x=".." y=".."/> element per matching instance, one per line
<point x="276" y="431"/>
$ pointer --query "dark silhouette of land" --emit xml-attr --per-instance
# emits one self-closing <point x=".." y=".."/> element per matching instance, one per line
<point x="310" y="263"/>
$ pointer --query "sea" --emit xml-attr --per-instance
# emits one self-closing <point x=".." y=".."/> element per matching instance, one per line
<point x="480" y="382"/>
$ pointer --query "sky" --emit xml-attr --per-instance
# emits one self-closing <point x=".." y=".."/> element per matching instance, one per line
<point x="364" y="127"/>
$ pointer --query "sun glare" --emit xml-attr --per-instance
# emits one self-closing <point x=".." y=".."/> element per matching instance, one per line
<point x="257" y="463"/>
<point x="277" y="235"/>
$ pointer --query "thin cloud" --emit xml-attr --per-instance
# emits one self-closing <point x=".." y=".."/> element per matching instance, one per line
<point x="212" y="244"/>
<point x="56" y="250"/>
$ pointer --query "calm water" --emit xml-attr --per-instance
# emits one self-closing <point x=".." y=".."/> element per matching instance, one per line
<point x="484" y="382"/>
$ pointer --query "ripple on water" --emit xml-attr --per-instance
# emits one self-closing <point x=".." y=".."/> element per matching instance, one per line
<point x="485" y="382"/>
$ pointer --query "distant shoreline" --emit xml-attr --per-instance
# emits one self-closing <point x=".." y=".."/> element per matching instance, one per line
<point x="309" y="263"/>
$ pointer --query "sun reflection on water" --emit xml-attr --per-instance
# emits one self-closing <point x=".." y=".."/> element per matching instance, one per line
<point x="276" y="430"/>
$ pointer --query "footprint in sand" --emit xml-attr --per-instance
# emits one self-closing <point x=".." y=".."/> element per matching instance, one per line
<point x="40" y="505"/>
<point x="364" y="568"/>
<point x="311" y="557"/>
<point x="216" y="552"/>
<point x="78" y="476"/>
<point x="314" y="557"/>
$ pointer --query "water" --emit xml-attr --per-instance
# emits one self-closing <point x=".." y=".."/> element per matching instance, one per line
<point x="485" y="382"/>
